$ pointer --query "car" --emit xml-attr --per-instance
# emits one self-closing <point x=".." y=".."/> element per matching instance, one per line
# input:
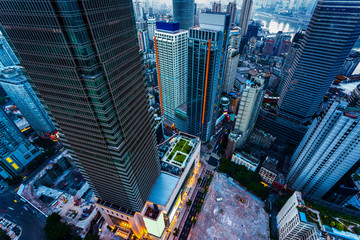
<point x="24" y="207"/>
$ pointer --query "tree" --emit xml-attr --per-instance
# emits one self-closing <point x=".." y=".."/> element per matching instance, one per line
<point x="199" y="180"/>
<point x="55" y="229"/>
<point x="339" y="226"/>
<point x="332" y="224"/>
<point x="188" y="203"/>
<point x="3" y="235"/>
<point x="176" y="232"/>
<point x="209" y="146"/>
<point x="90" y="236"/>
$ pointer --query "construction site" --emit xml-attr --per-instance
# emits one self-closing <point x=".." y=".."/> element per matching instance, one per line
<point x="230" y="212"/>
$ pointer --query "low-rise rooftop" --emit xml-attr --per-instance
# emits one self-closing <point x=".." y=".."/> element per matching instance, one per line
<point x="163" y="189"/>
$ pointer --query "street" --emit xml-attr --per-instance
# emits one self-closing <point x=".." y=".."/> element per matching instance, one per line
<point x="193" y="210"/>
<point x="31" y="221"/>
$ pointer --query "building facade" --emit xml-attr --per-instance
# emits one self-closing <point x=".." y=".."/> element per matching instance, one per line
<point x="206" y="62"/>
<point x="87" y="68"/>
<point x="184" y="13"/>
<point x="292" y="222"/>
<point x="327" y="152"/>
<point x="232" y="60"/>
<point x="20" y="92"/>
<point x="231" y="9"/>
<point x="216" y="7"/>
<point x="250" y="162"/>
<point x="320" y="58"/>
<point x="15" y="150"/>
<point x="7" y="56"/>
<point x="171" y="47"/>
<point x="248" y="111"/>
<point x="245" y="16"/>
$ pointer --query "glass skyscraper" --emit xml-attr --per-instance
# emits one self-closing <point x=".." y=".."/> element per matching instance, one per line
<point x="20" y="92"/>
<point x="184" y="13"/>
<point x="332" y="32"/>
<point x="206" y="62"/>
<point x="84" y="59"/>
<point x="7" y="56"/>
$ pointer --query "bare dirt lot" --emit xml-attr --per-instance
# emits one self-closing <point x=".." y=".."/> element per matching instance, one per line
<point x="239" y="215"/>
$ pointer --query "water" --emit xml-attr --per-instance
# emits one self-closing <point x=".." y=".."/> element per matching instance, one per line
<point x="275" y="24"/>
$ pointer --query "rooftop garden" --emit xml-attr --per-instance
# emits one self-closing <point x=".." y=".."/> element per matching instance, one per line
<point x="179" y="151"/>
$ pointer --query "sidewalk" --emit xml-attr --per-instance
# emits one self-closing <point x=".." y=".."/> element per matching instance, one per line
<point x="184" y="210"/>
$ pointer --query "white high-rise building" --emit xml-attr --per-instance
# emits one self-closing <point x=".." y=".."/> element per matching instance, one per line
<point x="292" y="222"/>
<point x="328" y="150"/>
<point x="232" y="60"/>
<point x="171" y="46"/>
<point x="248" y="111"/>
<point x="151" y="24"/>
<point x="216" y="7"/>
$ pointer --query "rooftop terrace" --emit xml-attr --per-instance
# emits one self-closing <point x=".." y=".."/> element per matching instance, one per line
<point x="180" y="150"/>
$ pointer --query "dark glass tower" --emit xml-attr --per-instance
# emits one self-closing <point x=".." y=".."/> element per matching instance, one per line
<point x="84" y="59"/>
<point x="206" y="61"/>
<point x="184" y="13"/>
<point x="332" y="32"/>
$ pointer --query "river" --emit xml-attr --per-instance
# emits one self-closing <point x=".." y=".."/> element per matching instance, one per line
<point x="274" y="24"/>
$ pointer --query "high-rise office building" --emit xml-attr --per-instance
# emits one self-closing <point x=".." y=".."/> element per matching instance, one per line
<point x="151" y="24"/>
<point x="18" y="89"/>
<point x="292" y="222"/>
<point x="350" y="64"/>
<point x="171" y="45"/>
<point x="282" y="43"/>
<point x="91" y="78"/>
<point x="354" y="98"/>
<point x="206" y="63"/>
<point x="7" y="56"/>
<point x="232" y="60"/>
<point x="143" y="40"/>
<point x="184" y="13"/>
<point x="138" y="10"/>
<point x="231" y="9"/>
<point x="321" y="55"/>
<point x="268" y="48"/>
<point x="216" y="7"/>
<point x="15" y="150"/>
<point x="245" y="16"/>
<point x="248" y="111"/>
<point x="294" y="48"/>
<point x="327" y="152"/>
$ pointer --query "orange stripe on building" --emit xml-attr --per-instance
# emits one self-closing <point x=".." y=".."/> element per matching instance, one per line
<point x="158" y="74"/>
<point x="206" y="80"/>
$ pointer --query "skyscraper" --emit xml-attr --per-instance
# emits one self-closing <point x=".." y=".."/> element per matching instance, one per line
<point x="206" y="62"/>
<point x="231" y="9"/>
<point x="350" y="64"/>
<point x="245" y="16"/>
<point x="232" y="60"/>
<point x="248" y="111"/>
<point x="294" y="48"/>
<point x="7" y="56"/>
<point x="292" y="222"/>
<point x="321" y="55"/>
<point x="84" y="60"/>
<point x="184" y="13"/>
<point x="328" y="150"/>
<point x="18" y="89"/>
<point x="216" y="7"/>
<point x="15" y="150"/>
<point x="171" y="55"/>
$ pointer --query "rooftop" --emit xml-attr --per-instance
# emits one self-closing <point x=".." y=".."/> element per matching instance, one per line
<point x="163" y="189"/>
<point x="180" y="150"/>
